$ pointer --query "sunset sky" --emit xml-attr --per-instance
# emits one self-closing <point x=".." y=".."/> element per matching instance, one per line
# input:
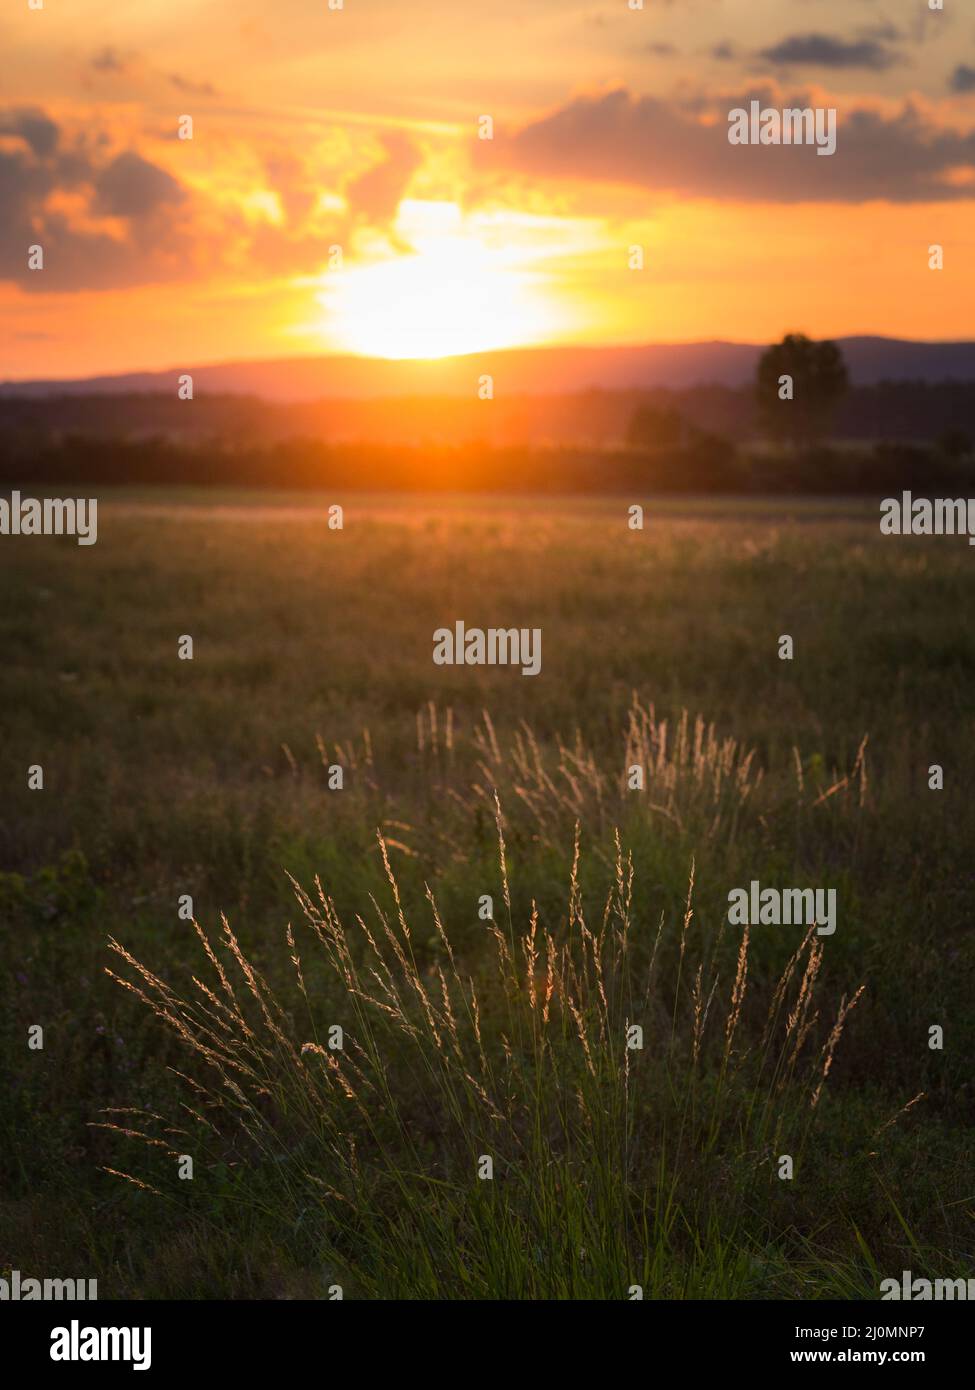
<point x="358" y="128"/>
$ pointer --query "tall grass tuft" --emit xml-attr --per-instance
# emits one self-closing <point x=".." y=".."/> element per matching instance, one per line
<point x="614" y="1165"/>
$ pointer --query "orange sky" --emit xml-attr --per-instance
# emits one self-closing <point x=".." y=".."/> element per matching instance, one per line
<point x="354" y="132"/>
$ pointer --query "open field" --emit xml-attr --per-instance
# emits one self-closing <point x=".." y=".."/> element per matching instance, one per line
<point x="312" y="649"/>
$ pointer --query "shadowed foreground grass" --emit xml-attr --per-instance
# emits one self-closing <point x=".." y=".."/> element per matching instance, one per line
<point x="502" y="1035"/>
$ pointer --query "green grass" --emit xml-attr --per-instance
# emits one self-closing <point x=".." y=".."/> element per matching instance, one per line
<point x="208" y="778"/>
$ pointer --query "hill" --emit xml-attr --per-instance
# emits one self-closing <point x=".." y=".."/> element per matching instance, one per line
<point x="524" y="371"/>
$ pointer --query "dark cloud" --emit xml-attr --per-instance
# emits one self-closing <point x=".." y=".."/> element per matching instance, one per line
<point x="109" y="60"/>
<point x="823" y="51"/>
<point x="147" y="243"/>
<point x="724" y="52"/>
<point x="963" y="79"/>
<point x="33" y="126"/>
<point x="662" y="145"/>
<point x="132" y="187"/>
<point x="192" y="89"/>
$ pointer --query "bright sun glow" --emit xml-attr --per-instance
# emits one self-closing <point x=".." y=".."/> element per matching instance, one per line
<point x="455" y="294"/>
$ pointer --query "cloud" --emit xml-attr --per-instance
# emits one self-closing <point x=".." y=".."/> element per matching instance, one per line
<point x="110" y="217"/>
<point x="884" y="31"/>
<point x="376" y="194"/>
<point x="963" y="79"/>
<point x="132" y="187"/>
<point x="823" y="51"/>
<point x="124" y="225"/>
<point x="110" y="60"/>
<point x="682" y="147"/>
<point x="193" y="89"/>
<point x="294" y="183"/>
<point x="33" y="126"/>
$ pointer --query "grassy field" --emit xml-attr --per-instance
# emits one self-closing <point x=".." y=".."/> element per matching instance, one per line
<point x="468" y="1035"/>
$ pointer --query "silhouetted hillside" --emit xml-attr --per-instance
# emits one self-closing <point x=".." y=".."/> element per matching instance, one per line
<point x="521" y="371"/>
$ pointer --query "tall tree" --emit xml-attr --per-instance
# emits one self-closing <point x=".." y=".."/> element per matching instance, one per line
<point x="799" y="385"/>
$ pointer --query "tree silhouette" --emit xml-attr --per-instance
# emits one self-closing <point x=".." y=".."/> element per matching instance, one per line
<point x="819" y="381"/>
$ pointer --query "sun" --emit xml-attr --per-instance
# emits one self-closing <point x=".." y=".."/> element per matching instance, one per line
<point x="452" y="294"/>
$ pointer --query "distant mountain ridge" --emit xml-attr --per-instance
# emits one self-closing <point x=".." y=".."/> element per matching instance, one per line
<point x="521" y="371"/>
